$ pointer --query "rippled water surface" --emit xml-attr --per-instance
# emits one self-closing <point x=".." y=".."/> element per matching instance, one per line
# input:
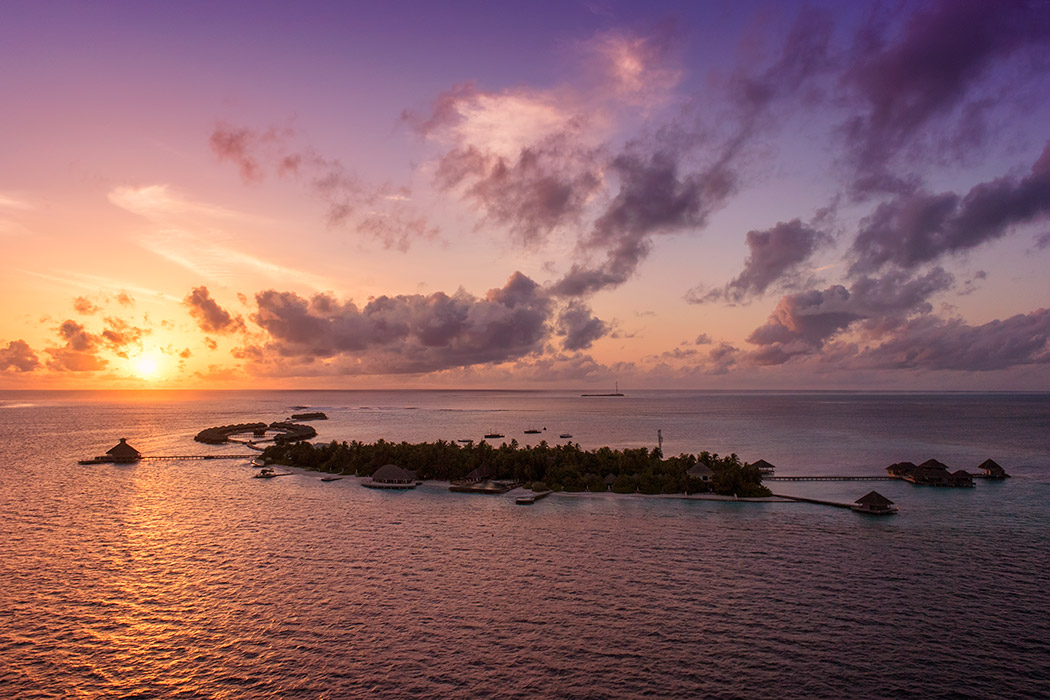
<point x="189" y="579"/>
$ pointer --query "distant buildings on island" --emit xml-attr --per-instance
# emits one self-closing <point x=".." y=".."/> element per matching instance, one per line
<point x="934" y="473"/>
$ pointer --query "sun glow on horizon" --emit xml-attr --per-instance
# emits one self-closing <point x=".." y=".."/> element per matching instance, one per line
<point x="147" y="366"/>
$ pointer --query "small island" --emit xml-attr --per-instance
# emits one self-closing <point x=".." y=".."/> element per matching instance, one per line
<point x="564" y="467"/>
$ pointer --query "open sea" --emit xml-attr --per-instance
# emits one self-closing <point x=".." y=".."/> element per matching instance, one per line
<point x="189" y="579"/>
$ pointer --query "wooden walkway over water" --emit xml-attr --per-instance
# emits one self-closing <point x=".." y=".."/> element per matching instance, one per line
<point x="800" y="499"/>
<point x="830" y="478"/>
<point x="156" y="457"/>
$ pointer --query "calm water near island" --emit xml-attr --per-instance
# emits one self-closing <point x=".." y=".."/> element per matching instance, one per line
<point x="190" y="579"/>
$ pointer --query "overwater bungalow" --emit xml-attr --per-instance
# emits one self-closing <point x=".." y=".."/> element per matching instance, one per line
<point x="764" y="467"/>
<point x="874" y="503"/>
<point x="391" y="476"/>
<point x="122" y="452"/>
<point x="930" y="473"/>
<point x="991" y="470"/>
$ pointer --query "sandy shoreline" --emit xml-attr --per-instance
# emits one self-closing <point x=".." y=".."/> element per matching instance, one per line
<point x="521" y="491"/>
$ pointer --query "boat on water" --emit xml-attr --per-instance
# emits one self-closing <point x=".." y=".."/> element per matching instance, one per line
<point x="533" y="431"/>
<point x="265" y="473"/>
<point x="615" y="392"/>
<point x="493" y="435"/>
<point x="316" y="415"/>
<point x="331" y="478"/>
<point x="565" y="436"/>
<point x="525" y="500"/>
<point x="465" y="441"/>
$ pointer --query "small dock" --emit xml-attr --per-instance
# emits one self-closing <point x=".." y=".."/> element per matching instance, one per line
<point x="529" y="500"/>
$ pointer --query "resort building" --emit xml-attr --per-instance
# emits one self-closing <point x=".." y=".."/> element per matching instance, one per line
<point x="122" y="452"/>
<point x="702" y="472"/>
<point x="930" y="473"/>
<point x="991" y="470"/>
<point x="764" y="467"/>
<point x="874" y="503"/>
<point x="391" y="476"/>
<point x="485" y="471"/>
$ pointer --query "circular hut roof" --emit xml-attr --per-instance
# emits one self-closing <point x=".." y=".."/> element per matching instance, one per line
<point x="391" y="473"/>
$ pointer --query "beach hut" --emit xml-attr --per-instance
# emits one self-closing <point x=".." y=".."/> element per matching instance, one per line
<point x="991" y="470"/>
<point x="391" y="476"/>
<point x="701" y="471"/>
<point x="122" y="452"/>
<point x="875" y="504"/>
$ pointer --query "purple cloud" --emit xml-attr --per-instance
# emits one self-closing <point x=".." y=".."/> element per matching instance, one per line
<point x="919" y="227"/>
<point x="579" y="327"/>
<point x="930" y="73"/>
<point x="936" y="344"/>
<point x="380" y="211"/>
<point x="402" y="334"/>
<point x="211" y="318"/>
<point x="655" y="197"/>
<point x="18" y="356"/>
<point x="802" y="323"/>
<point x="775" y="254"/>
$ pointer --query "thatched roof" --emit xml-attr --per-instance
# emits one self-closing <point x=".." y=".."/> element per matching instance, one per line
<point x="901" y="468"/>
<point x="393" y="474"/>
<point x="874" y="498"/>
<point x="990" y="465"/>
<point x="123" y="452"/>
<point x="933" y="464"/>
<point x="485" y="471"/>
<point x="701" y="470"/>
<point x="961" y="473"/>
<point x="762" y="464"/>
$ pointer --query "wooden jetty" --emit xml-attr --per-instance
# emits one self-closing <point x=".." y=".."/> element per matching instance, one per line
<point x="830" y="478"/>
<point x="800" y="499"/>
<point x="871" y="504"/>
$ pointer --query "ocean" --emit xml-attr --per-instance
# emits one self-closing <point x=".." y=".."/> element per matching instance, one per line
<point x="187" y="578"/>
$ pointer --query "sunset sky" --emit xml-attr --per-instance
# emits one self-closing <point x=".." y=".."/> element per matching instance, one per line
<point x="529" y="195"/>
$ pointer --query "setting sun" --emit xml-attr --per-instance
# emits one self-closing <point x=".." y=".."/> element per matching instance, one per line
<point x="146" y="366"/>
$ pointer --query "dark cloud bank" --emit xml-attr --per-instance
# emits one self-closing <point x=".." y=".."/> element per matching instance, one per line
<point x="413" y="333"/>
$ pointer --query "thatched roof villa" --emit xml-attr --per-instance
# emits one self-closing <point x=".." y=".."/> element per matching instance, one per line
<point x="485" y="471"/>
<point x="391" y="476"/>
<point x="930" y="473"/>
<point x="764" y="467"/>
<point x="875" y="504"/>
<point x="123" y="453"/>
<point x="703" y="472"/>
<point x="991" y="470"/>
